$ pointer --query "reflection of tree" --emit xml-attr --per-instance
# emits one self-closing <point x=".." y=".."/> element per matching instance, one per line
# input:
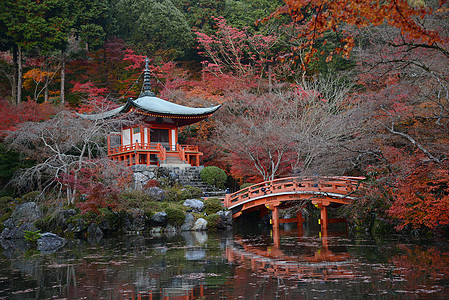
<point x="418" y="264"/>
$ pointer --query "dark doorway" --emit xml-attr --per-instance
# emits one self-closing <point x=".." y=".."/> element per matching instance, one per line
<point x="159" y="136"/>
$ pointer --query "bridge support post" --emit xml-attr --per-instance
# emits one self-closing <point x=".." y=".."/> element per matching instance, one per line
<point x="300" y="223"/>
<point x="324" y="220"/>
<point x="276" y="217"/>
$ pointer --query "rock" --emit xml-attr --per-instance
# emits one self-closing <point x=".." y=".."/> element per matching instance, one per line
<point x="135" y="220"/>
<point x="50" y="242"/>
<point x="17" y="232"/>
<point x="94" y="230"/>
<point x="77" y="227"/>
<point x="200" y="224"/>
<point x="156" y="193"/>
<point x="194" y="204"/>
<point x="94" y="234"/>
<point x="226" y="217"/>
<point x="8" y="223"/>
<point x="162" y="172"/>
<point x="173" y="176"/>
<point x="188" y="223"/>
<point x="159" y="219"/>
<point x="26" y="213"/>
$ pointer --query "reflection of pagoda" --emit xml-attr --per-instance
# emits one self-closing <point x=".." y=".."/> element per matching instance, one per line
<point x="155" y="140"/>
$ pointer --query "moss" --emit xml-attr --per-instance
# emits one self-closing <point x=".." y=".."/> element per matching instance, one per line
<point x="212" y="206"/>
<point x="212" y="221"/>
<point x="214" y="176"/>
<point x="175" y="216"/>
<point x="189" y="192"/>
<point x="5" y="204"/>
<point x="31" y="196"/>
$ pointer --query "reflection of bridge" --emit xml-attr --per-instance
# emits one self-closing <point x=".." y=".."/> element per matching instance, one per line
<point x="323" y="264"/>
<point x="285" y="192"/>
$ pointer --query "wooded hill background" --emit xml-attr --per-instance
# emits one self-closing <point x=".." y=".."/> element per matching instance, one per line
<point x="309" y="87"/>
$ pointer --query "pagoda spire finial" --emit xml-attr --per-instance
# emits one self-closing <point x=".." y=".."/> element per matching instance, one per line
<point x="146" y="80"/>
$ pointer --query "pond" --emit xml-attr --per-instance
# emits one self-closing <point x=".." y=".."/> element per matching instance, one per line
<point x="306" y="264"/>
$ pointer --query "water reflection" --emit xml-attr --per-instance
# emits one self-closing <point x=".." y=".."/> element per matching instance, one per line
<point x="287" y="264"/>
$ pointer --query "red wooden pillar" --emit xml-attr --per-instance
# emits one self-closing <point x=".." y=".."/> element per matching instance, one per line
<point x="300" y="223"/>
<point x="324" y="219"/>
<point x="276" y="217"/>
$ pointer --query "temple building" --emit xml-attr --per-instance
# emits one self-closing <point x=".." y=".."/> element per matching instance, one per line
<point x="154" y="141"/>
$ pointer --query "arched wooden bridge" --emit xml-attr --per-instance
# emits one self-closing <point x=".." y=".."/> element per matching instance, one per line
<point x="285" y="192"/>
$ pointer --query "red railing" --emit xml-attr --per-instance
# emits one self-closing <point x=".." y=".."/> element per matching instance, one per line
<point x="162" y="152"/>
<point x="335" y="185"/>
<point x="181" y="152"/>
<point x="132" y="147"/>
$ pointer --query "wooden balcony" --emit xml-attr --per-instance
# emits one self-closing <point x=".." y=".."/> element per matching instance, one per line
<point x="155" y="154"/>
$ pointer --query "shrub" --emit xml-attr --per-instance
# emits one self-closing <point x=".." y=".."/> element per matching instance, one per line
<point x="175" y="216"/>
<point x="171" y="195"/>
<point x="31" y="196"/>
<point x="5" y="204"/>
<point x="212" y="221"/>
<point x="212" y="206"/>
<point x="189" y="192"/>
<point x="214" y="176"/>
<point x="151" y="183"/>
<point x="32" y="236"/>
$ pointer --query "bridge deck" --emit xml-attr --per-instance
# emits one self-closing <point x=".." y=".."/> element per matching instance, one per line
<point x="331" y="189"/>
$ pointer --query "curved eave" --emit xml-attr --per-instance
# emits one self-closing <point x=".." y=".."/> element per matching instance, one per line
<point x="104" y="115"/>
<point x="181" y="120"/>
<point x="159" y="106"/>
<point x="156" y="107"/>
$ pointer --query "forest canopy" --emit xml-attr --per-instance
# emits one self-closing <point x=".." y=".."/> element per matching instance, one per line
<point x="346" y="87"/>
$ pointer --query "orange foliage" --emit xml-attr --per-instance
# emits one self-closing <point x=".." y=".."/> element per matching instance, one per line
<point x="422" y="197"/>
<point x="320" y="16"/>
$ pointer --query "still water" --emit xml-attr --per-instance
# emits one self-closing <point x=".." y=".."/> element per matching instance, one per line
<point x="306" y="264"/>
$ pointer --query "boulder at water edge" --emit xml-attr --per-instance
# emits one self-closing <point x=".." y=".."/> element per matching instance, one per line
<point x="50" y="242"/>
<point x="200" y="224"/>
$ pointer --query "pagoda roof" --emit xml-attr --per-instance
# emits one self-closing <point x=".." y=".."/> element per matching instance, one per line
<point x="150" y="105"/>
<point x="154" y="106"/>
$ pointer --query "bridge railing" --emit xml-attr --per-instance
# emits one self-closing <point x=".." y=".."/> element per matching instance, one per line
<point x="336" y="185"/>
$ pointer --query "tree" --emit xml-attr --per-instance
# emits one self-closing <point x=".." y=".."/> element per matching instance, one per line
<point x="156" y="27"/>
<point x="318" y="17"/>
<point x="276" y="133"/>
<point x="64" y="145"/>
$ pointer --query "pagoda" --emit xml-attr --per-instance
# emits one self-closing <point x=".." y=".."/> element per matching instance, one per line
<point x="153" y="141"/>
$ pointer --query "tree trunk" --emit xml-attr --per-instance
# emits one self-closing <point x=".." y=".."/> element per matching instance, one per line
<point x="62" y="76"/>
<point x="14" y="75"/>
<point x="46" y="80"/>
<point x="19" y="76"/>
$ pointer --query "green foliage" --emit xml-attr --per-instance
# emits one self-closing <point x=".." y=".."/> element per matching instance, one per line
<point x="215" y="176"/>
<point x="5" y="204"/>
<point x="175" y="216"/>
<point x="31" y="196"/>
<point x="32" y="236"/>
<point x="212" y="206"/>
<point x="154" y="25"/>
<point x="189" y="192"/>
<point x="3" y="218"/>
<point x="176" y="194"/>
<point x="212" y="221"/>
<point x="245" y="185"/>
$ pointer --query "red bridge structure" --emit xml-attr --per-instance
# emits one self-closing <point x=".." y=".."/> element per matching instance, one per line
<point x="283" y="193"/>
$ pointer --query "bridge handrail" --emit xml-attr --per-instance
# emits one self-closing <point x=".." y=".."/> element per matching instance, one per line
<point x="345" y="184"/>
